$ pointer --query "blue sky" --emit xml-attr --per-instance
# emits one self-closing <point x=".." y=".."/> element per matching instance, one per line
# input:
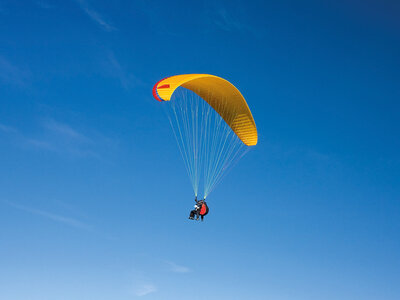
<point x="94" y="196"/>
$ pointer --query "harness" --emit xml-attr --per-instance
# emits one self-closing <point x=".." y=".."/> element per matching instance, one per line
<point x="204" y="209"/>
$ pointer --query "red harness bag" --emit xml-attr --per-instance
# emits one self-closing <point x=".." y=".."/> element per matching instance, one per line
<point x="203" y="210"/>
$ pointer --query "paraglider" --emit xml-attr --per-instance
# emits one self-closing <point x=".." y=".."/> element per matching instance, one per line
<point x="212" y="124"/>
<point x="200" y="209"/>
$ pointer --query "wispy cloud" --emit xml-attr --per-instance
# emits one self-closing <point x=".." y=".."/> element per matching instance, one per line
<point x="231" y="18"/>
<point x="95" y="16"/>
<point x="60" y="137"/>
<point x="11" y="74"/>
<point x="63" y="138"/>
<point x="177" y="268"/>
<point x="226" y="21"/>
<point x="72" y="209"/>
<point x="144" y="289"/>
<point x="114" y="68"/>
<point x="3" y="8"/>
<point x="65" y="130"/>
<point x="51" y="216"/>
<point x="44" y="5"/>
<point x="39" y="143"/>
<point x="8" y="129"/>
<point x="145" y="264"/>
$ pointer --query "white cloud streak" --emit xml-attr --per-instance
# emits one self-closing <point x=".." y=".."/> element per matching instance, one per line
<point x="8" y="129"/>
<point x="11" y="74"/>
<point x="145" y="289"/>
<point x="177" y="268"/>
<point x="231" y="18"/>
<point x="48" y="215"/>
<point x="115" y="69"/>
<point x="65" y="130"/>
<point x="59" y="137"/>
<point x="39" y="144"/>
<point x="95" y="16"/>
<point x="44" y="5"/>
<point x="227" y="22"/>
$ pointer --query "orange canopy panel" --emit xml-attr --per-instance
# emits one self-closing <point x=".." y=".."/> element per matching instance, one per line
<point x="220" y="94"/>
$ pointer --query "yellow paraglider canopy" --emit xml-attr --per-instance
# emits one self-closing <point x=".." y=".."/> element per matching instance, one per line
<point x="220" y="94"/>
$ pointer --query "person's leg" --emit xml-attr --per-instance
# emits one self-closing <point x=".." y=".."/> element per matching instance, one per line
<point x="197" y="214"/>
<point x="191" y="216"/>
